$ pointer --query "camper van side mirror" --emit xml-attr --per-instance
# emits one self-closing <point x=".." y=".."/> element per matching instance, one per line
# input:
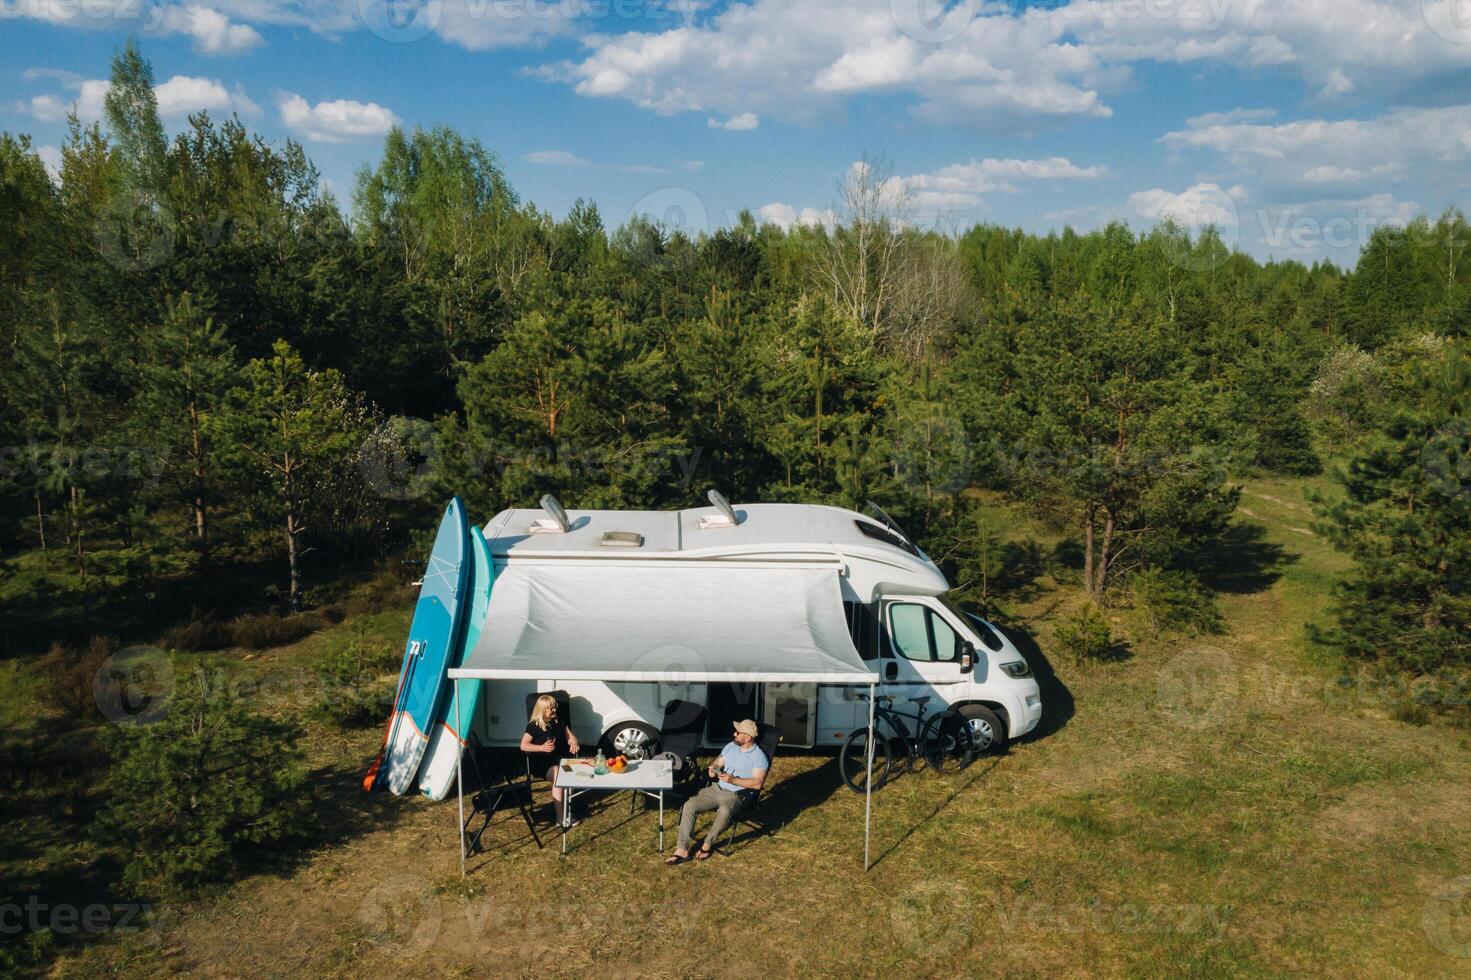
<point x="967" y="657"/>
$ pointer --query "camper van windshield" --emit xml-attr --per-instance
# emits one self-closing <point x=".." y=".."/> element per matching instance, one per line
<point x="983" y="629"/>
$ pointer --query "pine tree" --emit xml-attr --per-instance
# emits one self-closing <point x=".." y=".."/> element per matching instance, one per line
<point x="1405" y="518"/>
<point x="186" y="373"/>
<point x="283" y="431"/>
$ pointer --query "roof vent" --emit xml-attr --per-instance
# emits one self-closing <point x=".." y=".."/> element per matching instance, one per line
<point x="622" y="539"/>
<point x="726" y="517"/>
<point x="557" y="523"/>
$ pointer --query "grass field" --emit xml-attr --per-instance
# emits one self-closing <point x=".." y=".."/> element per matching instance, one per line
<point x="1233" y="805"/>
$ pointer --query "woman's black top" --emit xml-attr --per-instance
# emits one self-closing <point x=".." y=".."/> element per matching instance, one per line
<point x="556" y="731"/>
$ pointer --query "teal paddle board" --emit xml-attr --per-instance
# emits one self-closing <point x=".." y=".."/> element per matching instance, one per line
<point x="437" y="774"/>
<point x="433" y="638"/>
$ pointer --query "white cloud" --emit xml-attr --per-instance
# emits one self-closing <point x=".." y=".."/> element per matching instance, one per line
<point x="183" y="95"/>
<point x="481" y="26"/>
<point x="1195" y="207"/>
<point x="212" y="31"/>
<point x="87" y="102"/>
<point x="178" y="97"/>
<point x="1001" y="63"/>
<point x="746" y="120"/>
<point x="797" y="60"/>
<point x="960" y="185"/>
<point x="334" y="121"/>
<point x="1433" y="145"/>
<point x="692" y="165"/>
<point x="51" y="158"/>
<point x="555" y="158"/>
<point x="786" y="217"/>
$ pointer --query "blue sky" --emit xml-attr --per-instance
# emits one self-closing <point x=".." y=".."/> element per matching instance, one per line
<point x="1295" y="126"/>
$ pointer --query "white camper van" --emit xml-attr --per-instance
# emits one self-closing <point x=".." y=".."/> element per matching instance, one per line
<point x="662" y="593"/>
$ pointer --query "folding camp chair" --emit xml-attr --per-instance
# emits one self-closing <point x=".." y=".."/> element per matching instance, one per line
<point x="501" y="788"/>
<point x="680" y="736"/>
<point x="749" y="812"/>
<point x="564" y="711"/>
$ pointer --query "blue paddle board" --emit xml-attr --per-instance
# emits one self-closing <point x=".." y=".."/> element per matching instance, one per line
<point x="437" y="774"/>
<point x="433" y="638"/>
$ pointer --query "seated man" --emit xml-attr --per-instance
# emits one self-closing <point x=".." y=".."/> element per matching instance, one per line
<point x="741" y="766"/>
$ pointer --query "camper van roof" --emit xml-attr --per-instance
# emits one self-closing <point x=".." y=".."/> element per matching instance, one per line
<point x="762" y="532"/>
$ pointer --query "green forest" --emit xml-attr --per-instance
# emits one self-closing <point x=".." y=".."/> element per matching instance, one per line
<point x="235" y="405"/>
<point x="214" y="362"/>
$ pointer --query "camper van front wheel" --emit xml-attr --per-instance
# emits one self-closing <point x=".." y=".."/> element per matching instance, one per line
<point x="987" y="730"/>
<point x="633" y="739"/>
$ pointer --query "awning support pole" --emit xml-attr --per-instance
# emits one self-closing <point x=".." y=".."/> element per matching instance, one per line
<point x="868" y="786"/>
<point x="459" y="784"/>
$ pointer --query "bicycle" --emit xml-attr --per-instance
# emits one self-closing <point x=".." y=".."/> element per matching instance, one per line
<point x="944" y="743"/>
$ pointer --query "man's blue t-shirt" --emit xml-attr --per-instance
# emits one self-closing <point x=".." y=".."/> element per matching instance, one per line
<point x="741" y="764"/>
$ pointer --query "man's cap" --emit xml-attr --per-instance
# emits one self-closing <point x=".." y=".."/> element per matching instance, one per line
<point x="747" y="727"/>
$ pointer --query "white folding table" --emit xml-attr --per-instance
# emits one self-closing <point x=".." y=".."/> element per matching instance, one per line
<point x="651" y="777"/>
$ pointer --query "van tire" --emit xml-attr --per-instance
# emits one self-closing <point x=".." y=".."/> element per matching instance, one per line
<point x="988" y="731"/>
<point x="631" y="738"/>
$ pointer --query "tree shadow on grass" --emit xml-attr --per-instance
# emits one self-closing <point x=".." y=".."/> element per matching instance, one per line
<point x="341" y="811"/>
<point x="976" y="772"/>
<point x="1058" y="705"/>
<point x="1243" y="561"/>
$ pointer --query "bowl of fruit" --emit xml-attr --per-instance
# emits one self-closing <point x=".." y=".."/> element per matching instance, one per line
<point x="618" y="763"/>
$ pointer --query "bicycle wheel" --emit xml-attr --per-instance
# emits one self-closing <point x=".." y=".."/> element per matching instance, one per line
<point x="853" y="761"/>
<point x="947" y="744"/>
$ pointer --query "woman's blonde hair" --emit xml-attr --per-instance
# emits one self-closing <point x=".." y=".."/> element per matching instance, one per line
<point x="541" y="712"/>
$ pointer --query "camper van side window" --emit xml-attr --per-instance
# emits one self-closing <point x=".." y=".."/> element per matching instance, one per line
<point x="920" y="633"/>
<point x="947" y="643"/>
<point x="909" y="631"/>
<point x="862" y="627"/>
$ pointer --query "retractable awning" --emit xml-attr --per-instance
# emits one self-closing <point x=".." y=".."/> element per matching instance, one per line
<point x="666" y="622"/>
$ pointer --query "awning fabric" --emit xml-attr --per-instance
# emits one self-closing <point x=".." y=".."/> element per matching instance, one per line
<point x="667" y="622"/>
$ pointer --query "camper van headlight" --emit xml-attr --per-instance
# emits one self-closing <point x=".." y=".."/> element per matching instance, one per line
<point x="1017" y="668"/>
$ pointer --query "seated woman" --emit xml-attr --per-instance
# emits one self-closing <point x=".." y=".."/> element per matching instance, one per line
<point x="547" y="739"/>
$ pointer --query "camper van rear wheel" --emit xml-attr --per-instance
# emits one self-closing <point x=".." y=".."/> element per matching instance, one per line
<point x="987" y="730"/>
<point x="633" y="739"/>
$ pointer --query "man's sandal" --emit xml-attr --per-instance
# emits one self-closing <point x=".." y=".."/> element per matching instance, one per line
<point x="703" y="853"/>
<point x="674" y="859"/>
